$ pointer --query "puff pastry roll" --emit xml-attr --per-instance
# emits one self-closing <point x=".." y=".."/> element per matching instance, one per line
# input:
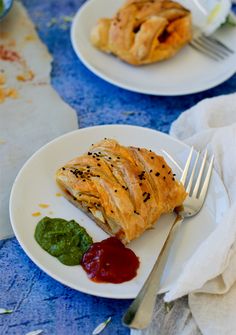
<point x="123" y="189"/>
<point x="144" y="31"/>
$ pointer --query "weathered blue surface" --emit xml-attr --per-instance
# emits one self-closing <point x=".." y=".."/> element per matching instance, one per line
<point x="40" y="302"/>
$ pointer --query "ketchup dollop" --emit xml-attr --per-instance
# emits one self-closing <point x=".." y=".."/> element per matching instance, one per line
<point x="110" y="261"/>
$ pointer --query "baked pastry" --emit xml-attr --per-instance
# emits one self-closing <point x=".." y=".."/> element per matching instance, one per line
<point x="123" y="189"/>
<point x="144" y="31"/>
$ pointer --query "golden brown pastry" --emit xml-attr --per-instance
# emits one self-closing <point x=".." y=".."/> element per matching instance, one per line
<point x="124" y="189"/>
<point x="144" y="31"/>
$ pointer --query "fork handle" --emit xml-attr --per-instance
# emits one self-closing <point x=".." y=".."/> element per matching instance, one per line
<point x="139" y="313"/>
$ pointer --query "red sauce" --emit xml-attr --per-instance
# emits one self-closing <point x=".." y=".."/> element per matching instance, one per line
<point x="110" y="261"/>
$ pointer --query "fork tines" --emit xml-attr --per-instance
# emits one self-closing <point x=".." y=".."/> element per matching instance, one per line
<point x="211" y="47"/>
<point x="198" y="174"/>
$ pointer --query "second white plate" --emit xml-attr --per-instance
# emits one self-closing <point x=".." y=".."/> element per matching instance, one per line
<point x="188" y="72"/>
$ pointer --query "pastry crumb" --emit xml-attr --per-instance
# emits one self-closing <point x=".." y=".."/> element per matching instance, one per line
<point x="2" y="79"/>
<point x="27" y="76"/>
<point x="43" y="205"/>
<point x="36" y="214"/>
<point x="12" y="93"/>
<point x="8" y="93"/>
<point x="30" y="37"/>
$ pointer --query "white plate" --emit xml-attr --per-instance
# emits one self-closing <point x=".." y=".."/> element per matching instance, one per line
<point x="188" y="72"/>
<point x="35" y="184"/>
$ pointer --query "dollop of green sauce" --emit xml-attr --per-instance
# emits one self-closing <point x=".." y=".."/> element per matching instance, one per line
<point x="65" y="240"/>
<point x="1" y="6"/>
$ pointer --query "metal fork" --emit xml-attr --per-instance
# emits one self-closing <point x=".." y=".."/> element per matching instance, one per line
<point x="211" y="47"/>
<point x="140" y="312"/>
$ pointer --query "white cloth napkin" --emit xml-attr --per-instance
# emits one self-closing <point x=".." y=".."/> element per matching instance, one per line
<point x="34" y="114"/>
<point x="209" y="275"/>
<point x="212" y="270"/>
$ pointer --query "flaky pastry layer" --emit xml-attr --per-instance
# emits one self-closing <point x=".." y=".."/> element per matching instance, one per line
<point x="123" y="189"/>
<point x="144" y="31"/>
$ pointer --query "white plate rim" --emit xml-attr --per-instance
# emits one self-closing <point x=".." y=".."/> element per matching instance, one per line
<point x="11" y="203"/>
<point x="161" y="92"/>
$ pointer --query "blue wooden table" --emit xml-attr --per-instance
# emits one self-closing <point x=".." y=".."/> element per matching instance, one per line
<point x="39" y="302"/>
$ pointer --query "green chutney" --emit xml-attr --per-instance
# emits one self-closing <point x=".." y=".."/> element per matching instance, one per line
<point x="1" y="6"/>
<point x="65" y="240"/>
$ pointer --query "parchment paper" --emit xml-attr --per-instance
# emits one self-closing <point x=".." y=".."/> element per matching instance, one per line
<point x="31" y="112"/>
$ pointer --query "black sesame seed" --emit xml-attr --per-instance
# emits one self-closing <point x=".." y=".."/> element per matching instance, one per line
<point x="173" y="178"/>
<point x="109" y="157"/>
<point x="163" y="166"/>
<point x="112" y="165"/>
<point x="148" y="196"/>
<point x="74" y="198"/>
<point x="118" y="157"/>
<point x="115" y="190"/>
<point x="123" y="186"/>
<point x="84" y="180"/>
<point x="140" y="184"/>
<point x="152" y="157"/>
<point x="174" y="174"/>
<point x="98" y="164"/>
<point x="63" y="169"/>
<point x="150" y="171"/>
<point x="112" y="211"/>
<point x="169" y="172"/>
<point x="89" y="153"/>
<point x="138" y="149"/>
<point x="164" y="177"/>
<point x="157" y="174"/>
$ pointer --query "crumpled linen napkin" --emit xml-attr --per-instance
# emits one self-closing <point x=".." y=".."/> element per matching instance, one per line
<point x="31" y="112"/>
<point x="212" y="270"/>
<point x="212" y="124"/>
<point x="209" y="276"/>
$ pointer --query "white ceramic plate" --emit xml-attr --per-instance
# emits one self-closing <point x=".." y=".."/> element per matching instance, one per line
<point x="35" y="184"/>
<point x="188" y="72"/>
